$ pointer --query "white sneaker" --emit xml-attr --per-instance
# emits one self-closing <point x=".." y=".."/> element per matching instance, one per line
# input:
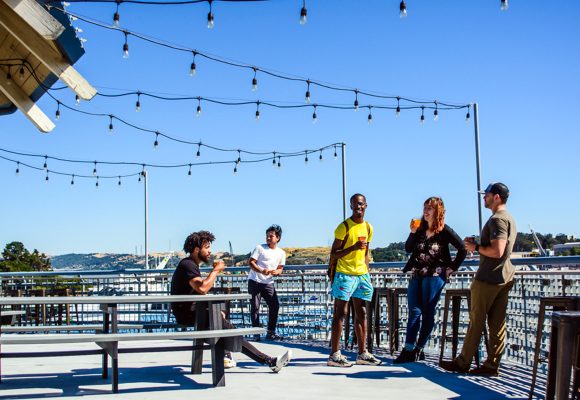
<point x="367" y="358"/>
<point x="281" y="361"/>
<point x="338" y="360"/>
<point x="229" y="362"/>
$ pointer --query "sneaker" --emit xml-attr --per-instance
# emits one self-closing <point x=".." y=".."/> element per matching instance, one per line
<point x="367" y="358"/>
<point x="229" y="362"/>
<point x="338" y="360"/>
<point x="452" y="366"/>
<point x="406" y="356"/>
<point x="257" y="337"/>
<point x="281" y="361"/>
<point x="274" y="337"/>
<point x="484" y="371"/>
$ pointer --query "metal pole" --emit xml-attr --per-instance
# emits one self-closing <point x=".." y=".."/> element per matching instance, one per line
<point x="146" y="221"/>
<point x="477" y="165"/>
<point x="343" y="150"/>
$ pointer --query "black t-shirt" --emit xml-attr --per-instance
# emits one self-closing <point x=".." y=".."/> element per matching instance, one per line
<point x="185" y="272"/>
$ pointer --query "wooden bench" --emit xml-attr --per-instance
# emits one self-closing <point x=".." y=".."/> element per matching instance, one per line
<point x="218" y="341"/>
<point x="63" y="328"/>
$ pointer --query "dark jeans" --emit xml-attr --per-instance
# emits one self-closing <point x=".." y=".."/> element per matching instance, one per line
<point x="423" y="295"/>
<point x="188" y="319"/>
<point x="268" y="292"/>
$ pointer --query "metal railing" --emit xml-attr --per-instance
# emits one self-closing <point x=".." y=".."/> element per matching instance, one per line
<point x="306" y="305"/>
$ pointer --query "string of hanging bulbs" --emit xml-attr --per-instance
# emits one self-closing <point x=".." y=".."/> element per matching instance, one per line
<point x="504" y="5"/>
<point x="256" y="70"/>
<point x="275" y="158"/>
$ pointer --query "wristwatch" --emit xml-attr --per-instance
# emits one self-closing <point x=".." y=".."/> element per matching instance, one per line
<point x="477" y="247"/>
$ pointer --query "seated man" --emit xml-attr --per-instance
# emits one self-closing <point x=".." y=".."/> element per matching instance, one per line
<point x="187" y="279"/>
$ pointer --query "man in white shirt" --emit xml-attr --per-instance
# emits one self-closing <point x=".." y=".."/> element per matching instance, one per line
<point x="266" y="261"/>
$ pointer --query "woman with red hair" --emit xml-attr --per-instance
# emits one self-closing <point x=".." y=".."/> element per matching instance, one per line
<point x="431" y="264"/>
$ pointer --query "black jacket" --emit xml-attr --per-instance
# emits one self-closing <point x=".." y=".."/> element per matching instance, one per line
<point x="445" y="237"/>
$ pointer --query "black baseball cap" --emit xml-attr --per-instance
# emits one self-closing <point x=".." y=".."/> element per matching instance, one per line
<point x="499" y="189"/>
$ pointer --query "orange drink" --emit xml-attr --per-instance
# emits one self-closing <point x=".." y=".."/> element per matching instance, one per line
<point x="415" y="223"/>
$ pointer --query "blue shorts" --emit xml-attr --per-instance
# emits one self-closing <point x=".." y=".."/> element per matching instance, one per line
<point x="346" y="286"/>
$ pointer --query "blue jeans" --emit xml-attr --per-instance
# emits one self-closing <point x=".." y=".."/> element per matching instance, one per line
<point x="423" y="295"/>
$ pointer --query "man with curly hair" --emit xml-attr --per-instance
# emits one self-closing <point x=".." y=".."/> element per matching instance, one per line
<point x="187" y="280"/>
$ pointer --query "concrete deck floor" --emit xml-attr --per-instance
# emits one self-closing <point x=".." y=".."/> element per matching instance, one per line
<point x="166" y="376"/>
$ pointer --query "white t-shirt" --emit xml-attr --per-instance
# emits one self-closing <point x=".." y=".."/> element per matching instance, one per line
<point x="266" y="258"/>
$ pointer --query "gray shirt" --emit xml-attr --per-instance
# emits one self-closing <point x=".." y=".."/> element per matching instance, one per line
<point x="500" y="225"/>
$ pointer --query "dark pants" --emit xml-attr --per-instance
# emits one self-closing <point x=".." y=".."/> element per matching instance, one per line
<point x="188" y="319"/>
<point x="268" y="292"/>
<point x="423" y="295"/>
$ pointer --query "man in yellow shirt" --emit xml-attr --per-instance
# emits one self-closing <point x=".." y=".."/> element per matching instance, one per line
<point x="352" y="279"/>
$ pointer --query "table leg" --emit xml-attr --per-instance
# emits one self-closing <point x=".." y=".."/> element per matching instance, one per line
<point x="456" y="307"/>
<point x="550" y="384"/>
<point x="564" y="361"/>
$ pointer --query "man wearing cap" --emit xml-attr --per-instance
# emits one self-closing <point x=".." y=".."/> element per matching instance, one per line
<point x="490" y="288"/>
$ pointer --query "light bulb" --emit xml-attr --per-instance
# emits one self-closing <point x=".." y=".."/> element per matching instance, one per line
<point x="138" y="105"/>
<point x="116" y="18"/>
<point x="198" y="110"/>
<point x="370" y="118"/>
<point x="403" y="9"/>
<point x="192" y="69"/>
<point x="320" y="156"/>
<point x="97" y="183"/>
<point x="17" y="168"/>
<point x="119" y="183"/>
<point x="235" y="170"/>
<point x="257" y="115"/>
<point x="46" y="179"/>
<point x="21" y="73"/>
<point x="189" y="172"/>
<point x="435" y="115"/>
<point x="335" y="155"/>
<point x="210" y="20"/>
<point x="126" y="50"/>
<point x="95" y="169"/>
<point x="308" y="96"/>
<point x="504" y="5"/>
<point x="156" y="143"/>
<point x="77" y="99"/>
<point x="72" y="181"/>
<point x="303" y="16"/>
<point x="306" y="158"/>
<point x="57" y="115"/>
<point x="45" y="166"/>
<point x="254" y="84"/>
<point x="467" y="116"/>
<point x="314" y="116"/>
<point x="198" y="150"/>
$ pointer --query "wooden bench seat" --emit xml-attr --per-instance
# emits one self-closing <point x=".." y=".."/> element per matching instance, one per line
<point x="217" y="341"/>
<point x="64" y="328"/>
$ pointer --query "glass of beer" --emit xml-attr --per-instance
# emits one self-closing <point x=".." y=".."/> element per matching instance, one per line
<point x="362" y="239"/>
<point x="217" y="261"/>
<point x="415" y="223"/>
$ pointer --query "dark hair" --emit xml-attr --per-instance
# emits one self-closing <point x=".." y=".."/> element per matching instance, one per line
<point x="357" y="195"/>
<point x="439" y="217"/>
<point x="277" y="229"/>
<point x="197" y="239"/>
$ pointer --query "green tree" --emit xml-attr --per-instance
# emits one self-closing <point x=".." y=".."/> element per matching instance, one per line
<point x="18" y="258"/>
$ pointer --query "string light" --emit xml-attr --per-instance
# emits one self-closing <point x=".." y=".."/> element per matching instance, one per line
<point x="436" y="112"/>
<point x="279" y="162"/>
<point x="97" y="183"/>
<point x="46" y="179"/>
<point x="306" y="157"/>
<point x="398" y="111"/>
<point x="320" y="156"/>
<point x="504" y="5"/>
<point x="235" y="169"/>
<point x="210" y="20"/>
<point x="126" y="45"/>
<point x="138" y="102"/>
<point x="193" y="67"/>
<point x="356" y="99"/>
<point x="468" y="115"/>
<point x="303" y="14"/>
<point x="274" y="160"/>
<point x="422" y="115"/>
<point x="198" y="110"/>
<point x="77" y="99"/>
<point x="255" y="81"/>
<point x="402" y="9"/>
<point x="239" y="160"/>
<point x="257" y="110"/>
<point x="308" y="91"/>
<point x="370" y="117"/>
<point x="110" y="124"/>
<point x="57" y="113"/>
<point x="17" y="167"/>
<point x="45" y="166"/>
<point x="156" y="143"/>
<point x="335" y="155"/>
<point x="116" y="15"/>
<point x="95" y="169"/>
<point x="72" y="181"/>
<point x="119" y="183"/>
<point x="314" y="116"/>
<point x="198" y="150"/>
<point x="139" y="180"/>
<point x="189" y="172"/>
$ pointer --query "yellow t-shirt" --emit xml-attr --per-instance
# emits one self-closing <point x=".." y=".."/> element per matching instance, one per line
<point x="354" y="262"/>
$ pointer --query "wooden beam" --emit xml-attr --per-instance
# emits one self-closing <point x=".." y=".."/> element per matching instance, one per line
<point x="27" y="106"/>
<point x="47" y="55"/>
<point x="37" y="17"/>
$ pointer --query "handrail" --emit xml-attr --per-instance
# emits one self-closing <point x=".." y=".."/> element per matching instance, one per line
<point x="551" y="261"/>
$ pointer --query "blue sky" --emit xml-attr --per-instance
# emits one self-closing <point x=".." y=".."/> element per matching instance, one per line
<point x="520" y="66"/>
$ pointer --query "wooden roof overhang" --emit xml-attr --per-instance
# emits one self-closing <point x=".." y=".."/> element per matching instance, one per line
<point x="47" y="43"/>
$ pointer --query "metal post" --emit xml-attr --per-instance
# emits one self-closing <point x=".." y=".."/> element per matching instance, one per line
<point x="343" y="150"/>
<point x="477" y="165"/>
<point x="146" y="221"/>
